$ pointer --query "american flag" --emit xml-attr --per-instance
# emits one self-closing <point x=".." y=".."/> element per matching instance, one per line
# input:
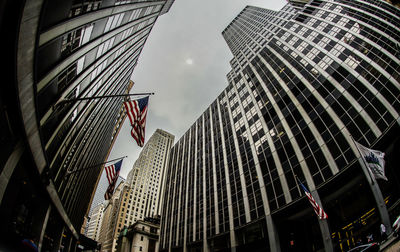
<point x="137" y="111"/>
<point x="112" y="172"/>
<point x="317" y="209"/>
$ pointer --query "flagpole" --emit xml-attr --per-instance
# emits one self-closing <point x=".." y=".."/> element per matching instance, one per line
<point x="362" y="158"/>
<point x="377" y="193"/>
<point x="93" y="166"/>
<point x="319" y="211"/>
<point x="65" y="101"/>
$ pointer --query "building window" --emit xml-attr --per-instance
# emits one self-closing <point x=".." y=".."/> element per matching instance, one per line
<point x="141" y="238"/>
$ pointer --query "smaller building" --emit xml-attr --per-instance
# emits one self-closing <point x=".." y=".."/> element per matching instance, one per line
<point x="94" y="224"/>
<point x="107" y="235"/>
<point x="141" y="236"/>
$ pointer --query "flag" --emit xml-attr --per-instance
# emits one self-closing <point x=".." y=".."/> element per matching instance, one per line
<point x="317" y="209"/>
<point x="374" y="160"/>
<point x="112" y="173"/>
<point x="137" y="111"/>
<point x="109" y="191"/>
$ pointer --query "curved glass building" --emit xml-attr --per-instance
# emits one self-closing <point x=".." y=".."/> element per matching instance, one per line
<point x="307" y="82"/>
<point x="57" y="51"/>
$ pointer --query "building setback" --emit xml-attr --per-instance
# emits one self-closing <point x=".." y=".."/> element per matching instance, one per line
<point x="55" y="51"/>
<point x="305" y="80"/>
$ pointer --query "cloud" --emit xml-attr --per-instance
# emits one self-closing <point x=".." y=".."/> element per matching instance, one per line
<point x="190" y="30"/>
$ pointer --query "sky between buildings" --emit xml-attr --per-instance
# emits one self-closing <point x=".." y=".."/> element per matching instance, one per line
<point x="184" y="62"/>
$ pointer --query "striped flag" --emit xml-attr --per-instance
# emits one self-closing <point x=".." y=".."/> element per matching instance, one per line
<point x="112" y="173"/>
<point x="317" y="209"/>
<point x="137" y="111"/>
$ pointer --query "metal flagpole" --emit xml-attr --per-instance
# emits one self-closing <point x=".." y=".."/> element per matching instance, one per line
<point x="65" y="101"/>
<point x="93" y="166"/>
<point x="323" y="223"/>
<point x="376" y="191"/>
<point x="365" y="167"/>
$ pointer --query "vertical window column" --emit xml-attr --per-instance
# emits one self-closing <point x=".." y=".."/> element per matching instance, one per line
<point x="233" y="241"/>
<point x="240" y="165"/>
<point x="195" y="184"/>
<point x="172" y="193"/>
<point x="214" y="175"/>
<point x="186" y="217"/>
<point x="205" y="243"/>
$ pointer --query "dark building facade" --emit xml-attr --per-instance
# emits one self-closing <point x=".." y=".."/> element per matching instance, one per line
<point x="55" y="51"/>
<point x="305" y="81"/>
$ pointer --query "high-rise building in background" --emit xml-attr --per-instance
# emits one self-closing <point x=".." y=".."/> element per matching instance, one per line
<point x="57" y="51"/>
<point x="140" y="195"/>
<point x="102" y="186"/>
<point x="305" y="82"/>
<point x="94" y="223"/>
<point x="146" y="179"/>
<point x="110" y="215"/>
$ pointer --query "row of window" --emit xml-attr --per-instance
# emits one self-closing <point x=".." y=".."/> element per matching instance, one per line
<point x="279" y="107"/>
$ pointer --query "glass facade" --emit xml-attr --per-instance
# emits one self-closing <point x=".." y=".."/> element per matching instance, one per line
<point x="305" y="80"/>
<point x="66" y="50"/>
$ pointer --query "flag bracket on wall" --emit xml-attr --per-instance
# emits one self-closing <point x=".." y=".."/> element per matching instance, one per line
<point x="66" y="101"/>
<point x="92" y="166"/>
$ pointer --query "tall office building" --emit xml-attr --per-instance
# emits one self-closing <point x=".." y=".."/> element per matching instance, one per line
<point x="102" y="182"/>
<point x="110" y="214"/>
<point x="146" y="179"/>
<point x="94" y="223"/>
<point x="140" y="195"/>
<point x="305" y="80"/>
<point x="57" y="51"/>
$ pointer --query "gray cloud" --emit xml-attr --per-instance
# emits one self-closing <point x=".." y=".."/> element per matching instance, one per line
<point x="190" y="30"/>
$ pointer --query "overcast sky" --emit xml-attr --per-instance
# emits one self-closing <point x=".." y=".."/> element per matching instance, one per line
<point x="184" y="62"/>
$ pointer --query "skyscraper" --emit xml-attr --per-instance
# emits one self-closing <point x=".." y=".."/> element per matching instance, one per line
<point x="146" y="179"/>
<point x="140" y="195"/>
<point x="94" y="224"/>
<point x="305" y="81"/>
<point x="102" y="182"/>
<point x="110" y="219"/>
<point x="57" y="51"/>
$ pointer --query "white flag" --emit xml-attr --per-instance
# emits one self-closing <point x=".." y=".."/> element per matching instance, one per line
<point x="374" y="160"/>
